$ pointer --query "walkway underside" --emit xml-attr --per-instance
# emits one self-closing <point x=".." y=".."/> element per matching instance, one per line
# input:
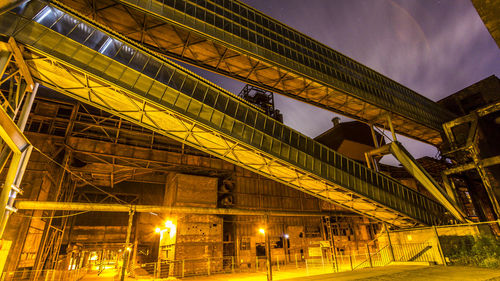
<point x="249" y="46"/>
<point x="75" y="59"/>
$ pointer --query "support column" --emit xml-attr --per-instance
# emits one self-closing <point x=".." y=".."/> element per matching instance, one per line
<point x="126" y="252"/>
<point x="18" y="164"/>
<point x="268" y="252"/>
<point x="389" y="120"/>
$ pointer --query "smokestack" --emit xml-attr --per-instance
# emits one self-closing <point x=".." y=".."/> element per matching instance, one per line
<point x="335" y="121"/>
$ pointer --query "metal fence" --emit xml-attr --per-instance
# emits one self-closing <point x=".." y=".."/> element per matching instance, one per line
<point x="44" y="275"/>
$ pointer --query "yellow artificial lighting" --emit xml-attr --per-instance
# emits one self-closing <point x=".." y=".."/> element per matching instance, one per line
<point x="262" y="231"/>
<point x="157" y="230"/>
<point x="129" y="249"/>
<point x="169" y="224"/>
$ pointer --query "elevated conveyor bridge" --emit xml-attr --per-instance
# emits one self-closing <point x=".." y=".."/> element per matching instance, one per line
<point x="79" y="58"/>
<point x="234" y="39"/>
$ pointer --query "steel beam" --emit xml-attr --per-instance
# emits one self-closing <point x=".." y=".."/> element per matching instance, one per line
<point x="417" y="171"/>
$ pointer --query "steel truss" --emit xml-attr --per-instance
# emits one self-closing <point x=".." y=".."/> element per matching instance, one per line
<point x="182" y="106"/>
<point x="466" y="142"/>
<point x="17" y="91"/>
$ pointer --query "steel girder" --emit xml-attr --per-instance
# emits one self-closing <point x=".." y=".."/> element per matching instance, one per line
<point x="235" y="40"/>
<point x="102" y="69"/>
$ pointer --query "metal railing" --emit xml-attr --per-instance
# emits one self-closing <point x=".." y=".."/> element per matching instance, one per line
<point x="45" y="275"/>
<point x="413" y="252"/>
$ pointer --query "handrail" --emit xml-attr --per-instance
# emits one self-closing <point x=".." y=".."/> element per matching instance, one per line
<point x="369" y="257"/>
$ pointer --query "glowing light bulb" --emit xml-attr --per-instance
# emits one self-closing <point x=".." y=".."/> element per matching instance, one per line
<point x="169" y="224"/>
<point x="157" y="230"/>
<point x="262" y="230"/>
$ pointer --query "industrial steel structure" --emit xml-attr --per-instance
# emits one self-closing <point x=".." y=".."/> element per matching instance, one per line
<point x="108" y="72"/>
<point x="151" y="121"/>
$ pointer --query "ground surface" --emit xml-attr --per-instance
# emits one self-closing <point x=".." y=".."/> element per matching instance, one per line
<point x="406" y="273"/>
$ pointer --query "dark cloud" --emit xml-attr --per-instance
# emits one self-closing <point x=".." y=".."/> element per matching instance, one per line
<point x="433" y="47"/>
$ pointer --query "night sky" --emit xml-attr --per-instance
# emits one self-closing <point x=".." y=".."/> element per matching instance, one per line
<point x="433" y="47"/>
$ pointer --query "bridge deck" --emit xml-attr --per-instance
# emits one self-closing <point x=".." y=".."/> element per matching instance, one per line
<point x="94" y="65"/>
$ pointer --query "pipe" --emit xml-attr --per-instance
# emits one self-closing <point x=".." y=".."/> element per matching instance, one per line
<point x="98" y="207"/>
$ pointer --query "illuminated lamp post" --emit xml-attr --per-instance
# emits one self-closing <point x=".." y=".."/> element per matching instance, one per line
<point x="265" y="232"/>
<point x="171" y="228"/>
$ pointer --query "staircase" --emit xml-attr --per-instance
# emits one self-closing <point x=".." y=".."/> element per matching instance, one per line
<point x="157" y="270"/>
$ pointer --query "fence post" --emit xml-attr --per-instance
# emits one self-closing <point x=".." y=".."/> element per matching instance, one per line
<point x="307" y="268"/>
<point x="350" y="261"/>
<point x="208" y="266"/>
<point x="296" y="262"/>
<point x="322" y="261"/>
<point x="439" y="246"/>
<point x="278" y="262"/>
<point x="256" y="263"/>
<point x="182" y="268"/>
<point x="369" y="256"/>
<point x="232" y="264"/>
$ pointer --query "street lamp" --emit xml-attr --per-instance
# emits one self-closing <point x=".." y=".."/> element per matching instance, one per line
<point x="268" y="251"/>
<point x="171" y="228"/>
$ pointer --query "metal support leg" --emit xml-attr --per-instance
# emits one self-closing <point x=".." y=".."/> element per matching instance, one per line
<point x="17" y="167"/>
<point x="391" y="126"/>
<point x="126" y="251"/>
